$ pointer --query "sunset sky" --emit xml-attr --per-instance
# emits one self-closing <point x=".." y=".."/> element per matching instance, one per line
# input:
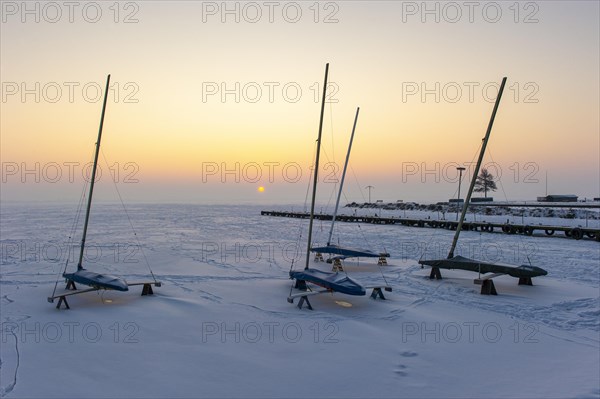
<point x="210" y="101"/>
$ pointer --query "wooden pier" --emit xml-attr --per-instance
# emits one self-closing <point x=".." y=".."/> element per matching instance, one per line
<point x="489" y="227"/>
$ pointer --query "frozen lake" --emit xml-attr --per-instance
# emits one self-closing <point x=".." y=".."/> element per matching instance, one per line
<point x="220" y="325"/>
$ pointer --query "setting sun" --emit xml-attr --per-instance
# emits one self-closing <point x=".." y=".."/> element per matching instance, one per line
<point x="432" y="167"/>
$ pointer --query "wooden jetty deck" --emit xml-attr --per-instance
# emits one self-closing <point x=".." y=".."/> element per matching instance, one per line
<point x="576" y="233"/>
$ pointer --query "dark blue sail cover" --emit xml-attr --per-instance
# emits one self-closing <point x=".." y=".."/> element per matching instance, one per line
<point x="348" y="252"/>
<point x="97" y="280"/>
<point x="338" y="282"/>
<point x="462" y="263"/>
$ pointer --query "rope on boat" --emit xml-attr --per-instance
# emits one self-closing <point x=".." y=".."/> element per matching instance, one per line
<point x="506" y="199"/>
<point x="436" y="232"/>
<point x="82" y="198"/>
<point x="129" y="220"/>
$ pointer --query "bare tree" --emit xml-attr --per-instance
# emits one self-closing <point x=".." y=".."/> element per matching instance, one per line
<point x="485" y="182"/>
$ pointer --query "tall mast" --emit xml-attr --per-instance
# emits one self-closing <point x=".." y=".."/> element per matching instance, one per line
<point x="337" y="203"/>
<point x="314" y="193"/>
<point x="89" y="203"/>
<point x="476" y="172"/>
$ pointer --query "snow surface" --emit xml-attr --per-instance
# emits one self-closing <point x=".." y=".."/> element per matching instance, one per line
<point x="220" y="325"/>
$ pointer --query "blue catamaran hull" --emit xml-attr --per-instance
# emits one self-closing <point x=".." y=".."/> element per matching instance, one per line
<point x="338" y="282"/>
<point x="462" y="263"/>
<point x="97" y="280"/>
<point x="347" y="252"/>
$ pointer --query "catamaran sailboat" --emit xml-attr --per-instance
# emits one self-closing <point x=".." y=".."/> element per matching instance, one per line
<point x="490" y="269"/>
<point x="338" y="252"/>
<point x="326" y="281"/>
<point x="95" y="281"/>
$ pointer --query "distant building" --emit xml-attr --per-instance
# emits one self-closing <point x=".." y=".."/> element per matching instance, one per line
<point x="455" y="200"/>
<point x="482" y="199"/>
<point x="558" y="198"/>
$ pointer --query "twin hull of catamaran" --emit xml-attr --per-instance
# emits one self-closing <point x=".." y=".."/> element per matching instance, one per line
<point x="473" y="265"/>
<point x="347" y="252"/>
<point x="97" y="280"/>
<point x="524" y="272"/>
<point x="330" y="281"/>
<point x="338" y="282"/>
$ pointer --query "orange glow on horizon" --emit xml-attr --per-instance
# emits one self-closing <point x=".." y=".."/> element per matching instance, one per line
<point x="244" y="106"/>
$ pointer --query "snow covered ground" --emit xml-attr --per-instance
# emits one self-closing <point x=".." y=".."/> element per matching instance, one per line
<point x="220" y="325"/>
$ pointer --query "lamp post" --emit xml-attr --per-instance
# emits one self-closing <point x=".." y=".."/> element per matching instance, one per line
<point x="460" y="172"/>
<point x="369" y="188"/>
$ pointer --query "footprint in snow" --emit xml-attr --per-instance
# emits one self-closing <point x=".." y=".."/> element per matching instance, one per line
<point x="400" y="370"/>
<point x="409" y="354"/>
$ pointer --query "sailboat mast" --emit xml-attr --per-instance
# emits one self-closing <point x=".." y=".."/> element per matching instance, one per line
<point x="89" y="202"/>
<point x="476" y="172"/>
<point x="337" y="203"/>
<point x="314" y="193"/>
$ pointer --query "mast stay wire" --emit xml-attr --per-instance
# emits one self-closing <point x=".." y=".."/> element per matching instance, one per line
<point x="74" y="226"/>
<point x="128" y="218"/>
<point x="506" y="199"/>
<point x="436" y="232"/>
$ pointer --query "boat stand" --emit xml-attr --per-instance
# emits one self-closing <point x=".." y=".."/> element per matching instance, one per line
<point x="147" y="290"/>
<point x="304" y="298"/>
<point x="337" y="265"/>
<point x="377" y="293"/>
<point x="62" y="300"/>
<point x="488" y="288"/>
<point x="147" y="287"/>
<point x="301" y="285"/>
<point x="435" y="273"/>
<point x="487" y="284"/>
<point x="525" y="281"/>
